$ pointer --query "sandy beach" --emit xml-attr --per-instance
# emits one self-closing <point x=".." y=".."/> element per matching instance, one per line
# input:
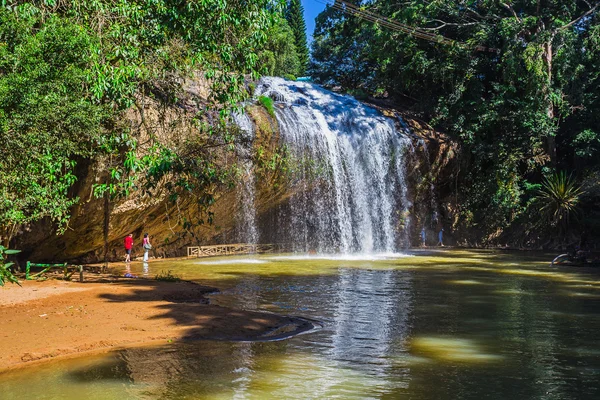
<point x="56" y="318"/>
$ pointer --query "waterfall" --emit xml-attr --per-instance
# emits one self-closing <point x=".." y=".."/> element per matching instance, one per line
<point x="348" y="190"/>
<point x="247" y="231"/>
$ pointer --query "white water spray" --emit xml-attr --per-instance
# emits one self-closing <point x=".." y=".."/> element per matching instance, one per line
<point x="350" y="192"/>
<point x="247" y="231"/>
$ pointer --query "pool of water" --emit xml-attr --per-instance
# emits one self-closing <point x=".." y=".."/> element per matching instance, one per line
<point x="424" y="325"/>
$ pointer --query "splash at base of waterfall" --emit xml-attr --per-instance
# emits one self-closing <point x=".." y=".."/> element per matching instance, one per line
<point x="342" y="257"/>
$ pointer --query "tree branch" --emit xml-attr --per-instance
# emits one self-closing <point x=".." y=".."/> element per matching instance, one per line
<point x="509" y="8"/>
<point x="582" y="16"/>
<point x="445" y="24"/>
<point x="475" y="13"/>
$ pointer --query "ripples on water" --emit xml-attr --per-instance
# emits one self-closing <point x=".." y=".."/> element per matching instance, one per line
<point x="448" y="325"/>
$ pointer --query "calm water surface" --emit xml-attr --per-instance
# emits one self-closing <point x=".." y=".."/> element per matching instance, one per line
<point x="436" y="325"/>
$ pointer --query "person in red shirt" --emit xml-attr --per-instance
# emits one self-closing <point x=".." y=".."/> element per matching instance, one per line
<point x="128" y="247"/>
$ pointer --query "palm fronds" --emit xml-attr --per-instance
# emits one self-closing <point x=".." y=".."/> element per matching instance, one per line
<point x="559" y="197"/>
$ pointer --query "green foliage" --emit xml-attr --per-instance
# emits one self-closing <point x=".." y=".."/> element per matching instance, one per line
<point x="167" y="276"/>
<point x="47" y="122"/>
<point x="587" y="144"/>
<point x="295" y="17"/>
<point x="279" y="56"/>
<point x="6" y="274"/>
<point x="251" y="89"/>
<point x="528" y="107"/>
<point x="267" y="103"/>
<point x="289" y="77"/>
<point x="559" y="197"/>
<point x="70" y="70"/>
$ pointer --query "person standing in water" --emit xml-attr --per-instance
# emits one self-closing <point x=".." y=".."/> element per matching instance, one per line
<point x="147" y="246"/>
<point x="128" y="247"/>
<point x="441" y="238"/>
<point x="423" y="237"/>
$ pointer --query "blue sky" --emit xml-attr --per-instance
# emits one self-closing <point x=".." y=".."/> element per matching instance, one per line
<point x="312" y="8"/>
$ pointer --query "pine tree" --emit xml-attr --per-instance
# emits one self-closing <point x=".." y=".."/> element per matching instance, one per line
<point x="295" y="17"/>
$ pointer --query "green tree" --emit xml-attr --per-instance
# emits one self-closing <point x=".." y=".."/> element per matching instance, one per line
<point x="47" y="121"/>
<point x="528" y="106"/>
<point x="278" y="56"/>
<point x="70" y="70"/>
<point x="295" y="17"/>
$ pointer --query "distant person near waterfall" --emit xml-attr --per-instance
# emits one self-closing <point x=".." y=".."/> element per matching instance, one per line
<point x="441" y="238"/>
<point x="128" y="247"/>
<point x="147" y="246"/>
<point x="423" y="237"/>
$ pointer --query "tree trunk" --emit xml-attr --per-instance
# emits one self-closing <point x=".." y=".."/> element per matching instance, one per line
<point x="550" y="137"/>
<point x="6" y="234"/>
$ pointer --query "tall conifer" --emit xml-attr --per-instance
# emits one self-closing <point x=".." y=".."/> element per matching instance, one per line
<point x="295" y="17"/>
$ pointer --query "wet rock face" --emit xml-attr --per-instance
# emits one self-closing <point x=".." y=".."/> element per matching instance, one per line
<point x="172" y="226"/>
<point x="141" y="212"/>
<point x="409" y="190"/>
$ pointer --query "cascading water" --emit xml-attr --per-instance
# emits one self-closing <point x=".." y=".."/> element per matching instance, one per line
<point x="348" y="188"/>
<point x="247" y="231"/>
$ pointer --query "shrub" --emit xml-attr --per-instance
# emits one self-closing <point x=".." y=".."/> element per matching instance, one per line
<point x="251" y="89"/>
<point x="167" y="277"/>
<point x="5" y="272"/>
<point x="267" y="103"/>
<point x="559" y="197"/>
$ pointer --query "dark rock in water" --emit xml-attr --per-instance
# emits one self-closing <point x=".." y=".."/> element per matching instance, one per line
<point x="277" y="96"/>
<point x="301" y="102"/>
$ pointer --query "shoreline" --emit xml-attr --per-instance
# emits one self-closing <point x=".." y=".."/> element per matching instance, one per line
<point x="138" y="259"/>
<point x="56" y="319"/>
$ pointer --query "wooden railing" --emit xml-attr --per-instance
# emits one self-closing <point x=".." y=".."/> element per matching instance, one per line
<point x="231" y="249"/>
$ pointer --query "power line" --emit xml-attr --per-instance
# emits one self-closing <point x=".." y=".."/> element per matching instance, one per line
<point x="351" y="9"/>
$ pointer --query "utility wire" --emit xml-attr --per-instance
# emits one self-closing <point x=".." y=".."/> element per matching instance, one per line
<point x="351" y="9"/>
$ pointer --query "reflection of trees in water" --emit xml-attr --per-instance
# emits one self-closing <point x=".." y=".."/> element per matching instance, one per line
<point x="533" y="330"/>
<point x="529" y="325"/>
<point x="526" y="321"/>
<point x="193" y="369"/>
<point x="371" y="321"/>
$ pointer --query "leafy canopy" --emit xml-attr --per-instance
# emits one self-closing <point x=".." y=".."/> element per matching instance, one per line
<point x="521" y="112"/>
<point x="279" y="56"/>
<point x="295" y="17"/>
<point x="70" y="69"/>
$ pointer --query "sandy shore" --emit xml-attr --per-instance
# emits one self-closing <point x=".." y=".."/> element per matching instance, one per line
<point x="45" y="320"/>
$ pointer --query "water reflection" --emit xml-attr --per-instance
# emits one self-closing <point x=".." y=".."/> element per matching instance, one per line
<point x="453" y="349"/>
<point x="432" y="326"/>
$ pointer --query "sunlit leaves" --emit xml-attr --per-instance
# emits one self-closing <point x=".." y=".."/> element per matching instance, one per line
<point x="559" y="198"/>
<point x="509" y="109"/>
<point x="47" y="121"/>
<point x="6" y="274"/>
<point x="69" y="70"/>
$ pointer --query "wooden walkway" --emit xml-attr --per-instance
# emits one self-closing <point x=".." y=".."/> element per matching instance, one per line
<point x="230" y="249"/>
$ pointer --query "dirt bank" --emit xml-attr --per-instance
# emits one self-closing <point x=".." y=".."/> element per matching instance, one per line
<point x="44" y="320"/>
